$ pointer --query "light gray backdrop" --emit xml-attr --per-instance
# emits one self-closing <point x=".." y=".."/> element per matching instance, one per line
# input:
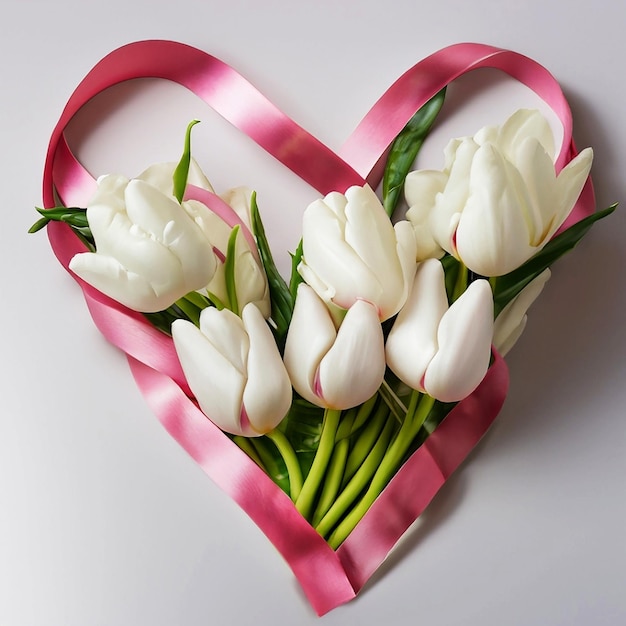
<point x="105" y="521"/>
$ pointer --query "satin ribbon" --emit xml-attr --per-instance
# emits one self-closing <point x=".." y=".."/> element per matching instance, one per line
<point x="328" y="577"/>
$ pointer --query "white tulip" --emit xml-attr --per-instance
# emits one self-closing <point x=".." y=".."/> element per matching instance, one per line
<point x="439" y="350"/>
<point x="234" y="369"/>
<point x="149" y="251"/>
<point x="511" y="322"/>
<point x="330" y="368"/>
<point x="420" y="195"/>
<point x="352" y="252"/>
<point x="498" y="200"/>
<point x="250" y="279"/>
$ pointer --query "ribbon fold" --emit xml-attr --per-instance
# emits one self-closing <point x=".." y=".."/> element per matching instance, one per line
<point x="329" y="578"/>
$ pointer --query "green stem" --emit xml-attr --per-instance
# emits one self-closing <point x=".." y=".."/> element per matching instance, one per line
<point x="355" y="418"/>
<point x="346" y="426"/>
<point x="358" y="482"/>
<point x="272" y="469"/>
<point x="366" y="441"/>
<point x="306" y="499"/>
<point x="248" y="448"/>
<point x="418" y="412"/>
<point x="332" y="484"/>
<point x="396" y="406"/>
<point x="291" y="461"/>
<point x="365" y="410"/>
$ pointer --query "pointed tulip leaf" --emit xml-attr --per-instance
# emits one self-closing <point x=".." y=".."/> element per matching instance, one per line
<point x="75" y="217"/>
<point x="405" y="148"/>
<point x="295" y="279"/>
<point x="181" y="173"/>
<point x="280" y="296"/>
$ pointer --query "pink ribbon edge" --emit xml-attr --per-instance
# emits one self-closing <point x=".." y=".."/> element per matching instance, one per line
<point x="328" y="578"/>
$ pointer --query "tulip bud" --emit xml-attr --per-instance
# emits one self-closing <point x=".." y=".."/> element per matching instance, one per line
<point x="234" y="369"/>
<point x="149" y="251"/>
<point x="498" y="200"/>
<point x="330" y="368"/>
<point x="510" y="324"/>
<point x="352" y="252"/>
<point x="442" y="351"/>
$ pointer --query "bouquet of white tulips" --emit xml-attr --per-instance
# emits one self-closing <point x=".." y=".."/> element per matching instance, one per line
<point x="331" y="379"/>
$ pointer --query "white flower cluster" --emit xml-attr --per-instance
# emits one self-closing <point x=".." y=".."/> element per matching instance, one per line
<point x="495" y="204"/>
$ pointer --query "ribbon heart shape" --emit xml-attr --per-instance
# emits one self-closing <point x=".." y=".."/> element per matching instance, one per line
<point x="329" y="578"/>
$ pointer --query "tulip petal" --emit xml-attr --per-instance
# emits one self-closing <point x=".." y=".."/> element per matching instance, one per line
<point x="422" y="186"/>
<point x="333" y="261"/>
<point x="267" y="395"/>
<point x="365" y="215"/>
<point x="412" y="342"/>
<point x="353" y="369"/>
<point x="406" y="251"/>
<point x="492" y="234"/>
<point x="227" y="335"/>
<point x="464" y="339"/>
<point x="161" y="177"/>
<point x="522" y="125"/>
<point x="537" y="170"/>
<point x="310" y="336"/>
<point x="239" y="199"/>
<point x="510" y="323"/>
<point x="110" y="277"/>
<point x="570" y="183"/>
<point x="165" y="221"/>
<point x="455" y="194"/>
<point x="217" y="385"/>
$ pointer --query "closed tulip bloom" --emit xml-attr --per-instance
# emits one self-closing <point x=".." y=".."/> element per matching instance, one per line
<point x="335" y="369"/>
<point x="420" y="195"/>
<point x="439" y="350"/>
<point x="511" y="322"/>
<point x="149" y="250"/>
<point x="498" y="200"/>
<point x="352" y="252"/>
<point x="250" y="279"/>
<point x="234" y="369"/>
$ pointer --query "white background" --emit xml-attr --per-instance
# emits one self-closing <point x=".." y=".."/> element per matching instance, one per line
<point x="104" y="520"/>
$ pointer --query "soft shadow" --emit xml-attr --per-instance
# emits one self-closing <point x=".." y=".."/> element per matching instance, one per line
<point x="590" y="129"/>
<point x="443" y="504"/>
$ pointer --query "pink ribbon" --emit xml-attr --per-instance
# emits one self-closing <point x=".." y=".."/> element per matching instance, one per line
<point x="328" y="577"/>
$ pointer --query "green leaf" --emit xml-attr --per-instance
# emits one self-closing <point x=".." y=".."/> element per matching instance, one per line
<point x="75" y="217"/>
<point x="181" y="173"/>
<point x="38" y="225"/>
<point x="189" y="308"/>
<point x="272" y="460"/>
<point x="280" y="296"/>
<point x="229" y="271"/>
<point x="303" y="427"/>
<point x="510" y="285"/>
<point x="405" y="148"/>
<point x="452" y="269"/>
<point x="295" y="279"/>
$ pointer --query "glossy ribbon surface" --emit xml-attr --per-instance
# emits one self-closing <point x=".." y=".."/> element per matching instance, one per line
<point x="328" y="577"/>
